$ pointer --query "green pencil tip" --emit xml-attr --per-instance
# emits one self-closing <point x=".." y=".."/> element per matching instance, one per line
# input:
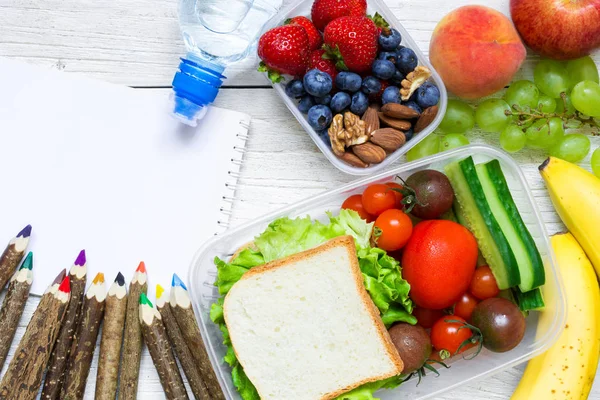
<point x="144" y="300"/>
<point x="28" y="262"/>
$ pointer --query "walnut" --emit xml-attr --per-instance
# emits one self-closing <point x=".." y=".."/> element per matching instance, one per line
<point x="413" y="81"/>
<point x="356" y="129"/>
<point x="337" y="135"/>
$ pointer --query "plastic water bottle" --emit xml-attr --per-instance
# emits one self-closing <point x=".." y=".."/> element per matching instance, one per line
<point x="216" y="34"/>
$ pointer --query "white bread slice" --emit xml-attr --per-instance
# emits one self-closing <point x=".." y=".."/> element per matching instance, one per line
<point x="305" y="328"/>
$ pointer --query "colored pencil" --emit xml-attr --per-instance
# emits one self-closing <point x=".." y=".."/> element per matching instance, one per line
<point x="23" y="378"/>
<point x="181" y="306"/>
<point x="13" y="305"/>
<point x="112" y="339"/>
<point x="13" y="254"/>
<point x="132" y="340"/>
<point x="60" y="355"/>
<point x="181" y="349"/>
<point x="160" y="350"/>
<point x="84" y="343"/>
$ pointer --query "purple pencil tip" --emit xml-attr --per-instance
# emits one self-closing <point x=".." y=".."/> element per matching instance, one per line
<point x="177" y="282"/>
<point x="80" y="258"/>
<point x="25" y="232"/>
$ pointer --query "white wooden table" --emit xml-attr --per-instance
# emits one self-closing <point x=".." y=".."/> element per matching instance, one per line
<point x="137" y="43"/>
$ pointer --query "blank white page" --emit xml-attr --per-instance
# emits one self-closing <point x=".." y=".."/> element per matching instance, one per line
<point x="105" y="168"/>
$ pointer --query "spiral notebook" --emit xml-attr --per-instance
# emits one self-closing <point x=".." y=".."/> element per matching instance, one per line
<point x="103" y="167"/>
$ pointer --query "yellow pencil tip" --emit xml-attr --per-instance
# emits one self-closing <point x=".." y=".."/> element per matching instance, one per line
<point x="99" y="278"/>
<point x="159" y="291"/>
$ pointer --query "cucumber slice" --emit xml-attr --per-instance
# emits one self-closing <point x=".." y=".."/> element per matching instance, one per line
<point x="473" y="208"/>
<point x="497" y="193"/>
<point x="527" y="301"/>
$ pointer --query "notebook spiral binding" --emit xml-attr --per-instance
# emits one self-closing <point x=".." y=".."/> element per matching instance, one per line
<point x="233" y="175"/>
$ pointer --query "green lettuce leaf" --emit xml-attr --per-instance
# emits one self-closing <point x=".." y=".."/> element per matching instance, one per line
<point x="365" y="392"/>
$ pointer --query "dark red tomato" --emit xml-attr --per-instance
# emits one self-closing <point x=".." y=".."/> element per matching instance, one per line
<point x="465" y="306"/>
<point x="426" y="317"/>
<point x="398" y="195"/>
<point x="449" y="336"/>
<point x="377" y="198"/>
<point x="393" y="229"/>
<point x="354" y="202"/>
<point x="484" y="285"/>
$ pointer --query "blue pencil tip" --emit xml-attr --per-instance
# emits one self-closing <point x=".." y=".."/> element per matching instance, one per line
<point x="25" y="232"/>
<point x="177" y="282"/>
<point x="80" y="258"/>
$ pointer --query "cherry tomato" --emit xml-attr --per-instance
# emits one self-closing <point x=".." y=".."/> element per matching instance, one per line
<point x="427" y="317"/>
<point x="450" y="335"/>
<point x="395" y="228"/>
<point x="465" y="306"/>
<point x="399" y="196"/>
<point x="354" y="202"/>
<point x="377" y="198"/>
<point x="483" y="285"/>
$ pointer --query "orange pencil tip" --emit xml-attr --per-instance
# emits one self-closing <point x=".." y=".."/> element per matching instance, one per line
<point x="65" y="285"/>
<point x="141" y="267"/>
<point x="99" y="278"/>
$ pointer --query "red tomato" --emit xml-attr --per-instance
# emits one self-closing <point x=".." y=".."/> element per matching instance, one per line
<point x="354" y="202"/>
<point x="483" y="285"/>
<point x="438" y="261"/>
<point x="426" y="317"/>
<point x="377" y="198"/>
<point x="450" y="335"/>
<point x="465" y="306"/>
<point x="399" y="196"/>
<point x="395" y="229"/>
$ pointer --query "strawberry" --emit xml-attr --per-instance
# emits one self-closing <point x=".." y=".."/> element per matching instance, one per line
<point x="325" y="11"/>
<point x="352" y="42"/>
<point x="283" y="50"/>
<point x="315" y="40"/>
<point x="317" y="61"/>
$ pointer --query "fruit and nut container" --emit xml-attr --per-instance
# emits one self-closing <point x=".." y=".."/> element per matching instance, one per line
<point x="359" y="85"/>
<point x="539" y="329"/>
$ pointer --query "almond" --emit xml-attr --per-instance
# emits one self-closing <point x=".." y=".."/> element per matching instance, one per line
<point x="353" y="160"/>
<point x="369" y="153"/>
<point x="399" y="124"/>
<point x="427" y="116"/>
<point x="371" y="120"/>
<point x="389" y="139"/>
<point x="399" y="111"/>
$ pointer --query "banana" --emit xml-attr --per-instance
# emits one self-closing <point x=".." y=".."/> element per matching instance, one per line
<point x="575" y="194"/>
<point x="567" y="370"/>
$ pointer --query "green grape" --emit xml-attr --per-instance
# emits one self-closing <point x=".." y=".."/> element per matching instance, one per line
<point x="490" y="115"/>
<point x="582" y="69"/>
<point x="426" y="147"/>
<point x="459" y="117"/>
<point x="546" y="104"/>
<point x="596" y="162"/>
<point x="560" y="106"/>
<point x="586" y="98"/>
<point x="545" y="133"/>
<point x="551" y="77"/>
<point x="452" y="141"/>
<point x="572" y="148"/>
<point x="512" y="138"/>
<point x="522" y="93"/>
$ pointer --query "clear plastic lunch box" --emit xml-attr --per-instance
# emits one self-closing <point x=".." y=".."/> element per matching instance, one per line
<point x="303" y="7"/>
<point x="543" y="327"/>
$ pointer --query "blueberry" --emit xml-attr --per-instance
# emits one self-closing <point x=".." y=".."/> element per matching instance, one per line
<point x="306" y="102"/>
<point x="383" y="69"/>
<point x="340" y="101"/>
<point x="324" y="136"/>
<point x="427" y="95"/>
<point x="325" y="100"/>
<point x="360" y="103"/>
<point x="406" y="62"/>
<point x="391" y="94"/>
<point x="387" y="55"/>
<point x="319" y="117"/>
<point x="414" y="106"/>
<point x="348" y="81"/>
<point x="389" y="39"/>
<point x="371" y="85"/>
<point x="408" y="134"/>
<point x="317" y="83"/>
<point x="397" y="78"/>
<point x="295" y="88"/>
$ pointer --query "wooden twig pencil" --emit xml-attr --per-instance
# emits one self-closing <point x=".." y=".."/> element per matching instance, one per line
<point x="60" y="355"/>
<point x="181" y="306"/>
<point x="23" y="378"/>
<point x="112" y="338"/>
<point x="160" y="349"/>
<point x="181" y="349"/>
<point x="13" y="305"/>
<point x="132" y="340"/>
<point x="84" y="344"/>
<point x="13" y="254"/>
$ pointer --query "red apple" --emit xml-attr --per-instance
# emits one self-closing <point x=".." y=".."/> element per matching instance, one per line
<point x="559" y="29"/>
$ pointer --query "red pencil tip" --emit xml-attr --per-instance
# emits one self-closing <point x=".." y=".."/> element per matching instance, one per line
<point x="65" y="285"/>
<point x="141" y="267"/>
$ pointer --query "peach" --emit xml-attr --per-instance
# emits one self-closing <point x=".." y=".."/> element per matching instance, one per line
<point x="476" y="50"/>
